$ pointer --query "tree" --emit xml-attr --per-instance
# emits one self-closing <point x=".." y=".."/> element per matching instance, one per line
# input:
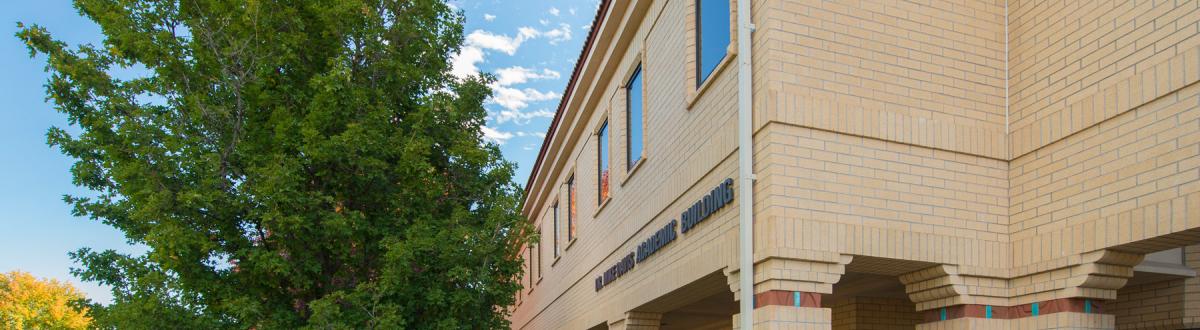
<point x="29" y="303"/>
<point x="288" y="164"/>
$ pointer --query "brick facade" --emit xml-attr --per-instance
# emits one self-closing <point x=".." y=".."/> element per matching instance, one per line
<point x="1007" y="164"/>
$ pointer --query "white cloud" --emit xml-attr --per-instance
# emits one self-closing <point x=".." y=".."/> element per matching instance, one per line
<point x="562" y="33"/>
<point x="520" y="75"/>
<point x="497" y="136"/>
<point x="489" y="17"/>
<point x="554" y="11"/>
<point x="520" y="117"/>
<point x="572" y="11"/>
<point x="499" y="42"/>
<point x="544" y="22"/>
<point x="465" y="63"/>
<point x="517" y="99"/>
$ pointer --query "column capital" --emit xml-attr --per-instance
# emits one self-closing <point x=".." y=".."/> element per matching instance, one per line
<point x="637" y="321"/>
<point x="813" y="273"/>
<point x="1073" y="294"/>
<point x="1097" y="275"/>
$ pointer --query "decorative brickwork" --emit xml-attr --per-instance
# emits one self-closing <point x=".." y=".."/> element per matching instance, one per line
<point x="787" y="298"/>
<point x="1064" y="305"/>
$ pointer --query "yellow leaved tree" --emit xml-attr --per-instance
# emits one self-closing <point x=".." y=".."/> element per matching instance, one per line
<point x="27" y="302"/>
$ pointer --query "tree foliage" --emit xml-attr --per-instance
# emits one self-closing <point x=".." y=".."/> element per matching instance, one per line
<point x="287" y="163"/>
<point x="29" y="303"/>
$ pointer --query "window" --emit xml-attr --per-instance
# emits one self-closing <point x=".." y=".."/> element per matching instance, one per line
<point x="557" y="248"/>
<point x="633" y="117"/>
<point x="533" y="263"/>
<point x="712" y="35"/>
<point x="602" y="163"/>
<point x="537" y="249"/>
<point x="571" y="208"/>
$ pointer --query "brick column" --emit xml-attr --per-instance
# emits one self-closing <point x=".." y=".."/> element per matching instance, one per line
<point x="1068" y="297"/>
<point x="788" y="290"/>
<point x="637" y="321"/>
<point x="1191" y="288"/>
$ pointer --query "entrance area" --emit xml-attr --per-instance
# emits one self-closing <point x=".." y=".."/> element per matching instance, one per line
<point x="706" y="304"/>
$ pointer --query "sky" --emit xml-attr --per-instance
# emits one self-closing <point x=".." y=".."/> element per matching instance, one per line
<point x="529" y="45"/>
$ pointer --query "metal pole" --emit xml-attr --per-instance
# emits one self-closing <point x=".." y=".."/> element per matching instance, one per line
<point x="745" y="166"/>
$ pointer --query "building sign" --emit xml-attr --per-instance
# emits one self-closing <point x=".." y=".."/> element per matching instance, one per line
<point x="715" y="200"/>
<point x="701" y="210"/>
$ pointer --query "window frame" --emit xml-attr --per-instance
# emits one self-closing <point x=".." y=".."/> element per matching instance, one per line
<point x="537" y="247"/>
<point x="554" y="218"/>
<point x="603" y="164"/>
<point x="572" y="222"/>
<point x="529" y="252"/>
<point x="637" y="74"/>
<point x="699" y="35"/>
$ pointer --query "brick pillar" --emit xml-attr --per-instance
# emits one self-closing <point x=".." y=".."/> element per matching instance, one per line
<point x="788" y="290"/>
<point x="1067" y="297"/>
<point x="788" y="317"/>
<point x="1191" y="288"/>
<point x="637" y="321"/>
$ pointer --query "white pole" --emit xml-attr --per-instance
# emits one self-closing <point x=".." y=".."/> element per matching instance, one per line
<point x="745" y="166"/>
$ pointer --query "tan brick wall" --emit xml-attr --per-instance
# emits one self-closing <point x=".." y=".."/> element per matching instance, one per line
<point x="1104" y="126"/>
<point x="1169" y="304"/>
<point x="1149" y="306"/>
<point x="928" y="73"/>
<point x="1191" y="287"/>
<point x="868" y="313"/>
<point x="1074" y="64"/>
<point x="821" y="190"/>
<point x="883" y="129"/>
<point x="687" y="153"/>
<point x="1135" y="174"/>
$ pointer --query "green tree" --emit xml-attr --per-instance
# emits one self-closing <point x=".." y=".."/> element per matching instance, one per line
<point x="287" y="163"/>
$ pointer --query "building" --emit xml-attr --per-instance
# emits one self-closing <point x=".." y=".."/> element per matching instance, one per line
<point x="930" y="164"/>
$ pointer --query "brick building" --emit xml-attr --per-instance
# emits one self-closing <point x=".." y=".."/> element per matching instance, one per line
<point x="931" y="164"/>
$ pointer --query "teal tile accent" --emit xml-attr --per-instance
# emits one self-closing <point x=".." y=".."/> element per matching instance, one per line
<point x="987" y="311"/>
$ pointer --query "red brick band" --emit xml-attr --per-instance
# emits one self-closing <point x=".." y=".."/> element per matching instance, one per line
<point x="1076" y="305"/>
<point x="787" y="298"/>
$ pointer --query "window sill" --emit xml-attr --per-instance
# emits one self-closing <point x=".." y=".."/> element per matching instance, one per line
<point x="539" y="280"/>
<point x="555" y="262"/>
<point x="695" y="94"/>
<point x="570" y="243"/>
<point x="632" y="170"/>
<point x="601" y="207"/>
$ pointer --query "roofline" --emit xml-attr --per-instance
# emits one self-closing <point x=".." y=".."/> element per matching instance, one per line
<point x="601" y="14"/>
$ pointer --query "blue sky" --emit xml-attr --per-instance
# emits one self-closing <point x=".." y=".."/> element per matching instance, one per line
<point x="530" y="45"/>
